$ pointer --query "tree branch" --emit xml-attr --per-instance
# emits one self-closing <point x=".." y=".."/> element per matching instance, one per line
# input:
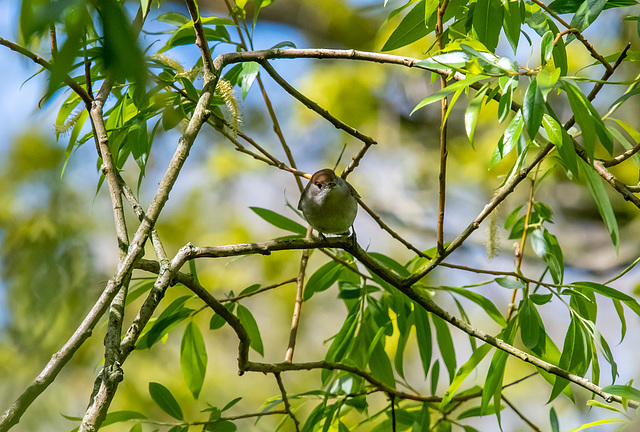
<point x="578" y="35"/>
<point x="191" y="252"/>
<point x="45" y="64"/>
<point x="285" y="401"/>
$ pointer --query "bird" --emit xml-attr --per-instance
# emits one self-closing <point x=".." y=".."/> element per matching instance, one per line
<point x="329" y="203"/>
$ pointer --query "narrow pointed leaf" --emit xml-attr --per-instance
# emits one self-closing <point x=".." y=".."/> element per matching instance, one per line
<point x="193" y="358"/>
<point x="165" y="400"/>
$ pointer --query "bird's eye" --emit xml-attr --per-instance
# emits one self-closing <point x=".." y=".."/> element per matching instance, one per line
<point x="319" y="185"/>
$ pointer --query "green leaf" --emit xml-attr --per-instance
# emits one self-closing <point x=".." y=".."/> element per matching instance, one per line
<point x="122" y="416"/>
<point x="404" y="328"/>
<point x="586" y="14"/>
<point x="471" y="115"/>
<point x="570" y="345"/>
<point x="174" y="314"/>
<point x="249" y="73"/>
<point x="504" y="106"/>
<point x="380" y="364"/>
<point x="173" y="18"/>
<point x="221" y="426"/>
<point x="493" y="383"/>
<point x="540" y="299"/>
<point x="571" y="6"/>
<point x="482" y="301"/>
<point x="546" y="246"/>
<point x="546" y="47"/>
<point x="624" y="391"/>
<point x="193" y="358"/>
<point x="390" y="264"/>
<point x="510" y="138"/>
<point x="165" y="400"/>
<point x="423" y="335"/>
<point x="122" y="56"/>
<point x="623" y="322"/>
<point x="412" y="28"/>
<point x="561" y="139"/>
<point x="344" y="338"/>
<point x="453" y="60"/>
<point x="279" y="220"/>
<point x="532" y="329"/>
<point x="322" y="279"/>
<point x="505" y="282"/>
<point x="599" y="194"/>
<point x="250" y="324"/>
<point x="464" y="372"/>
<point x="479" y="411"/>
<point x="553" y="420"/>
<point x="462" y="84"/>
<point x="533" y="109"/>
<point x="217" y="321"/>
<point x="512" y="23"/>
<point x="487" y="22"/>
<point x="598" y="423"/>
<point x="604" y="290"/>
<point x="186" y="35"/>
<point x="435" y="375"/>
<point x="445" y="344"/>
<point x="560" y="55"/>
<point x="588" y="119"/>
<point x="624" y="97"/>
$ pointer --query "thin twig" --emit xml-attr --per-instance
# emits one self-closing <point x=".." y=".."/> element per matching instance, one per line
<point x="267" y="101"/>
<point x="42" y="62"/>
<point x="297" y="306"/>
<point x="522" y="416"/>
<point x="522" y="245"/>
<point x="256" y="292"/>
<point x="322" y="112"/>
<point x="622" y="157"/>
<point x="54" y="40"/>
<point x="444" y="108"/>
<point x="285" y="401"/>
<point x="578" y="35"/>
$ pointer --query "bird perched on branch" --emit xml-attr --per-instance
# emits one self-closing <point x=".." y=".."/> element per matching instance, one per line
<point x="329" y="203"/>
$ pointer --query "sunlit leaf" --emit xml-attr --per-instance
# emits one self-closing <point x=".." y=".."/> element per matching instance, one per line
<point x="471" y="115"/>
<point x="624" y="391"/>
<point x="169" y="318"/>
<point x="249" y="322"/>
<point x="531" y="326"/>
<point x="412" y="28"/>
<point x="599" y="194"/>
<point x="165" y="400"/>
<point x="464" y="372"/>
<point x="122" y="416"/>
<point x="193" y="358"/>
<point x="445" y="344"/>
<point x="487" y="22"/>
<point x="423" y="335"/>
<point x="322" y="279"/>
<point x="482" y="301"/>
<point x="493" y="382"/>
<point x="279" y="220"/>
<point x="533" y="109"/>
<point x="512" y="23"/>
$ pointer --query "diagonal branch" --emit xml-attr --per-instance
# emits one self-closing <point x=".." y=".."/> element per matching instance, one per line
<point x="45" y="64"/>
<point x="577" y="34"/>
<point x="285" y="401"/>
